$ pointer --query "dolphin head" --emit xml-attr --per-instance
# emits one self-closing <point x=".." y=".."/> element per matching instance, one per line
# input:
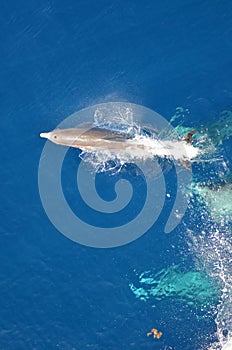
<point x="65" y="137"/>
<point x="53" y="136"/>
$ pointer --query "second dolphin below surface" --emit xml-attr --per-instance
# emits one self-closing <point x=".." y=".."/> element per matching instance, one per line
<point x="90" y="138"/>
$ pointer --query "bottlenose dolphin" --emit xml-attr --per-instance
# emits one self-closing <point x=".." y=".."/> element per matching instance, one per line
<point x="90" y="138"/>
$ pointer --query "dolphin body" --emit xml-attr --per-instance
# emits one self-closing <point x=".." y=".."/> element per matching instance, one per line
<point x="90" y="138"/>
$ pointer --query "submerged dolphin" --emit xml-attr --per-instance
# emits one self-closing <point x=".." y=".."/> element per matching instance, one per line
<point x="90" y="138"/>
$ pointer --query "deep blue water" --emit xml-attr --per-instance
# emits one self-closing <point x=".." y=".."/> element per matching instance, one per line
<point x="56" y="58"/>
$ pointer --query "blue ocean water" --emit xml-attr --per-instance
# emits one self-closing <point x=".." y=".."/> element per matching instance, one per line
<point x="57" y="58"/>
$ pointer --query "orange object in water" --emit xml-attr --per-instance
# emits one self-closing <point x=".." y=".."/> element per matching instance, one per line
<point x="155" y="332"/>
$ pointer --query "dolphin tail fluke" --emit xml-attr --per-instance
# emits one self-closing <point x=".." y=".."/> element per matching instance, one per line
<point x="188" y="137"/>
<point x="186" y="164"/>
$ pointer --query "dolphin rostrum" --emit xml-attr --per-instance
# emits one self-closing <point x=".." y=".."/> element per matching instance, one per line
<point x="91" y="138"/>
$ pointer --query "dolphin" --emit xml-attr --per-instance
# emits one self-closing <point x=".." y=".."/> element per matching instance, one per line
<point x="90" y="138"/>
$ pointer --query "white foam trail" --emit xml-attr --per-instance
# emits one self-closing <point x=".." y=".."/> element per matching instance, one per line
<point x="143" y="147"/>
<point x="178" y="150"/>
<point x="228" y="345"/>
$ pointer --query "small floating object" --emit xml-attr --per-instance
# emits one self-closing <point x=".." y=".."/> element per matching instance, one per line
<point x="155" y="332"/>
